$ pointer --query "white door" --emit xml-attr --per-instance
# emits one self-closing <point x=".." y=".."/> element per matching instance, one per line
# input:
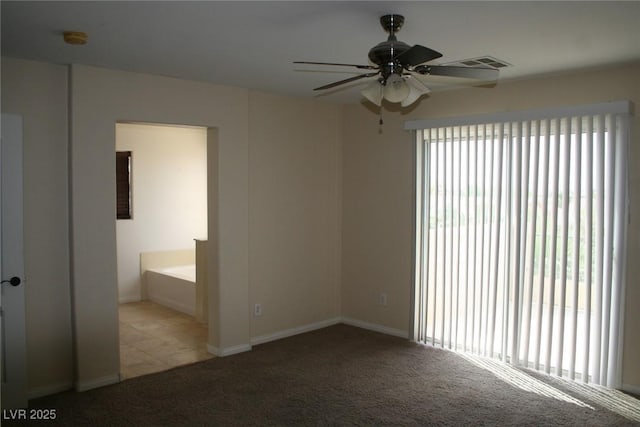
<point x="14" y="364"/>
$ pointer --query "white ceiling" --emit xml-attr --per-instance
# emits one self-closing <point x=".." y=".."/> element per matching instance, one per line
<point x="253" y="44"/>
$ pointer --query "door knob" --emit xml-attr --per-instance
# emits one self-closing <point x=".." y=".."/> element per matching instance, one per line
<point x="14" y="281"/>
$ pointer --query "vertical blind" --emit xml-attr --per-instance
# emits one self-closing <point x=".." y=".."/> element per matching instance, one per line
<point x="521" y="237"/>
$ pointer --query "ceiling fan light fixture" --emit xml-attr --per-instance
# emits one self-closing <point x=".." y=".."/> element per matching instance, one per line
<point x="396" y="89"/>
<point x="415" y="92"/>
<point x="373" y="92"/>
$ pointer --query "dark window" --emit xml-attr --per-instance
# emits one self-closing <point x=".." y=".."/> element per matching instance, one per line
<point x="123" y="184"/>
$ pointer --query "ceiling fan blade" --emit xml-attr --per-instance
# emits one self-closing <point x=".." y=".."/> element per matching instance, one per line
<point x="341" y="82"/>
<point x="417" y="55"/>
<point x="416" y="82"/>
<point x="362" y="67"/>
<point x="479" y="73"/>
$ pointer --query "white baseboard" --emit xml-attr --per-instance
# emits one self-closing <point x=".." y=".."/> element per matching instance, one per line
<point x="228" y="351"/>
<point x="261" y="339"/>
<point x="375" y="327"/>
<point x="98" y="382"/>
<point x="176" y="305"/>
<point x="631" y="388"/>
<point x="47" y="390"/>
<point x="294" y="331"/>
<point x="126" y="300"/>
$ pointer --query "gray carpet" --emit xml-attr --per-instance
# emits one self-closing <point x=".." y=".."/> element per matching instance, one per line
<point x="339" y="375"/>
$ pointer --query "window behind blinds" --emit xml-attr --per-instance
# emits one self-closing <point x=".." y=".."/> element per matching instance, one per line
<point x="521" y="238"/>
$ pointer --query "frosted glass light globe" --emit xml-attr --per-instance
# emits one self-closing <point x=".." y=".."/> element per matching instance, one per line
<point x="417" y="89"/>
<point x="396" y="89"/>
<point x="373" y="93"/>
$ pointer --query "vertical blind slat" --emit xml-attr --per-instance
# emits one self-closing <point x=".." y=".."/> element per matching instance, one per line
<point x="443" y="293"/>
<point x="424" y="228"/>
<point x="426" y="240"/>
<point x="534" y="148"/>
<point x="615" y="359"/>
<point x="467" y="228"/>
<point x="475" y="242"/>
<point x="496" y="249"/>
<point x="523" y="211"/>
<point x="419" y="285"/>
<point x="577" y="157"/>
<point x="436" y="235"/>
<point x="456" y="223"/>
<point x="588" y="227"/>
<point x="489" y="244"/>
<point x="517" y="147"/>
<point x="599" y="228"/>
<point x="553" y="244"/>
<point x="566" y="159"/>
<point x="480" y="248"/>
<point x="451" y="317"/>
<point x="505" y="136"/>
<point x="608" y="237"/>
<point x="543" y="240"/>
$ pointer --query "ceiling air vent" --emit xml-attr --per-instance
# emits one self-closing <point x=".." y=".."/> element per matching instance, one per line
<point x="482" y="61"/>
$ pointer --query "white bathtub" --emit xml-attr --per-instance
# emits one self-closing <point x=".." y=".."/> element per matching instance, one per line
<point x="174" y="287"/>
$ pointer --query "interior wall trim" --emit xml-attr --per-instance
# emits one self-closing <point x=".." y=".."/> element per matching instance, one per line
<point x="631" y="388"/>
<point x="228" y="351"/>
<point x="376" y="327"/>
<point x="49" y="389"/>
<point x="294" y="331"/>
<point x="98" y="382"/>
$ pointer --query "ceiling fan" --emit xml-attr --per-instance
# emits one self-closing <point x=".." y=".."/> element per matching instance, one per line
<point x="396" y="64"/>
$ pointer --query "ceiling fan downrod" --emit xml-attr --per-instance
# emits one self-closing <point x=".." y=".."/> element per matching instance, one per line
<point x="383" y="54"/>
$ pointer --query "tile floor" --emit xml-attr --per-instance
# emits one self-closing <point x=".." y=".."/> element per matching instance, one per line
<point x="155" y="338"/>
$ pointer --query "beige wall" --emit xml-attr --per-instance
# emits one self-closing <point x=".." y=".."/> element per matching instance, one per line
<point x="295" y="187"/>
<point x="376" y="223"/>
<point x="377" y="200"/>
<point x="39" y="93"/>
<point x="294" y="205"/>
<point x="169" y="196"/>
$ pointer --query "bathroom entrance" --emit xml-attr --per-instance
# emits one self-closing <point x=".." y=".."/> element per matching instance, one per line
<point x="162" y="212"/>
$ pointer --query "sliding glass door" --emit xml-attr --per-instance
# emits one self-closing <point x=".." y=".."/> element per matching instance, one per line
<point x="520" y="237"/>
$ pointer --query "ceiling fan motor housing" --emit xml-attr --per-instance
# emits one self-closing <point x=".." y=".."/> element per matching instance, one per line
<point x="383" y="53"/>
<point x="392" y="23"/>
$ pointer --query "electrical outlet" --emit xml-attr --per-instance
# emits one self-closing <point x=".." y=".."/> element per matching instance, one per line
<point x="382" y="300"/>
<point x="257" y="310"/>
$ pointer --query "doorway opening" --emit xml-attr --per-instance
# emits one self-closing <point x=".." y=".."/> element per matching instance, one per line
<point x="163" y="305"/>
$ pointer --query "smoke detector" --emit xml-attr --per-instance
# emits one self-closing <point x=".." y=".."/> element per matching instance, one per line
<point x="75" y="37"/>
